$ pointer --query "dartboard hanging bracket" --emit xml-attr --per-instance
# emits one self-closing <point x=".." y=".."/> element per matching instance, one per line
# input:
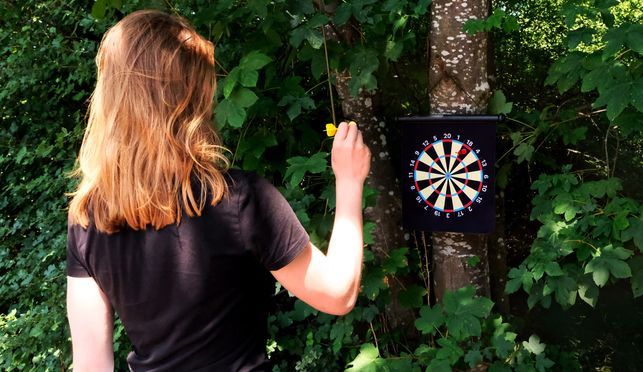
<point x="448" y="172"/>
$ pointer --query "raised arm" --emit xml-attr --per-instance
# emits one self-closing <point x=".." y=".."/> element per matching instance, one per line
<point x="91" y="322"/>
<point x="330" y="283"/>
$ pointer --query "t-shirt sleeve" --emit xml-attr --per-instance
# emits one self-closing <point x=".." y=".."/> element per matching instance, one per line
<point x="268" y="225"/>
<point x="75" y="266"/>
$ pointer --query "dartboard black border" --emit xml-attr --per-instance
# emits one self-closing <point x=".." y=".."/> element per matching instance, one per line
<point x="481" y="219"/>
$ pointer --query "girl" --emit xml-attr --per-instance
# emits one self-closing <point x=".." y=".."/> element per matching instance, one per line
<point x="184" y="250"/>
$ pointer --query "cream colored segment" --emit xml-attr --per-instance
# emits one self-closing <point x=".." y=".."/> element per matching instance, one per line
<point x="474" y="176"/>
<point x="455" y="149"/>
<point x="439" y="203"/>
<point x="439" y="150"/>
<point x="470" y="158"/>
<point x="427" y="191"/>
<point x="426" y="159"/>
<point x="421" y="175"/>
<point x="469" y="192"/>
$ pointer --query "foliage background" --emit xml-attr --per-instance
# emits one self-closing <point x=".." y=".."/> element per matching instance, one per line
<point x="571" y="70"/>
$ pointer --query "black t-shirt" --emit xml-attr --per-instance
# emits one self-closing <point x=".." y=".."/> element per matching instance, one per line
<point x="195" y="297"/>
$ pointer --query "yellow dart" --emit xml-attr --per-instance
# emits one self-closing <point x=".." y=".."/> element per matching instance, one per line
<point x="331" y="129"/>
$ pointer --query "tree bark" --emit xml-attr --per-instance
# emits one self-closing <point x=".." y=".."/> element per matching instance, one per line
<point x="387" y="212"/>
<point x="458" y="84"/>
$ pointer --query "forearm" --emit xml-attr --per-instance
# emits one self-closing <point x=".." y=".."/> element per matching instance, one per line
<point x="345" y="250"/>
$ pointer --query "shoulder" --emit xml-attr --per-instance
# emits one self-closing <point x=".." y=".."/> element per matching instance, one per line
<point x="240" y="181"/>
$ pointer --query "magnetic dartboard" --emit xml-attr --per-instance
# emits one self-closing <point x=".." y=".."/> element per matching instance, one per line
<point x="448" y="173"/>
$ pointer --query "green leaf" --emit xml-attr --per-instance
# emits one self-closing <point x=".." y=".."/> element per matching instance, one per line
<point x="317" y="67"/>
<point x="553" y="269"/>
<point x="599" y="270"/>
<point x="498" y="104"/>
<point x="630" y="122"/>
<point x="473" y="261"/>
<point x="464" y="302"/>
<point x="542" y="363"/>
<point x="373" y="282"/>
<point x="99" y="9"/>
<point x="615" y="39"/>
<point x="619" y="269"/>
<point x="463" y="326"/>
<point x="581" y="35"/>
<point x="343" y="14"/>
<point x="248" y="78"/>
<point x="299" y="165"/>
<point x="412" y="296"/>
<point x="594" y="79"/>
<point x="430" y="319"/>
<point x="503" y="343"/>
<point x="228" y="111"/>
<point x="618" y="99"/>
<point x="231" y="82"/>
<point x="472" y="358"/>
<point x="499" y="367"/>
<point x="635" y="38"/>
<point x="524" y="152"/>
<point x="422" y="7"/>
<point x="396" y="260"/>
<point x="634" y="232"/>
<point x="393" y="50"/>
<point x="254" y="60"/>
<point x="637" y="94"/>
<point x="369" y="228"/>
<point x="439" y="365"/>
<point x="368" y="360"/>
<point x="450" y="350"/>
<point x="636" y="264"/>
<point x="588" y="292"/>
<point x="534" y="345"/>
<point x="244" y="97"/>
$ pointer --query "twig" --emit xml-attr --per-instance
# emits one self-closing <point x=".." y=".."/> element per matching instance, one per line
<point x="377" y="346"/>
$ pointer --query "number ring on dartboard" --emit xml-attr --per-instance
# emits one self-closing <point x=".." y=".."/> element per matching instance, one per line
<point x="466" y="167"/>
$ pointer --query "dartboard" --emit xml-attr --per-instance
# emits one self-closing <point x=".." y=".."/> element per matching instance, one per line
<point x="448" y="176"/>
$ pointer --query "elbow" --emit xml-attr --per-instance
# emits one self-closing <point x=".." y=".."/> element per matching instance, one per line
<point x="344" y="309"/>
<point x="343" y="303"/>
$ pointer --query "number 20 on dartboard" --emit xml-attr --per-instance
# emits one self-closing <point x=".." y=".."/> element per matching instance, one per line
<point x="449" y="175"/>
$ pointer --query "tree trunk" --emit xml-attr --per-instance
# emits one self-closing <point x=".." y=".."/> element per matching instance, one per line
<point x="387" y="212"/>
<point x="458" y="84"/>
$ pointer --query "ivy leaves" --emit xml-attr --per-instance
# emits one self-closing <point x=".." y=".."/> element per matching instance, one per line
<point x="462" y="322"/>
<point x="588" y="238"/>
<point x="237" y="97"/>
<point x="606" y="261"/>
<point x="615" y="77"/>
<point x="298" y="166"/>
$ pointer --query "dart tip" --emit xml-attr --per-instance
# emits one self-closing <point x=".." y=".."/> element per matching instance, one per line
<point x="331" y="129"/>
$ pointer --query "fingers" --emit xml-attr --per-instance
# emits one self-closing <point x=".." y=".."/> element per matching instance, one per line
<point x="342" y="131"/>
<point x="359" y="141"/>
<point x="351" y="136"/>
<point x="349" y="133"/>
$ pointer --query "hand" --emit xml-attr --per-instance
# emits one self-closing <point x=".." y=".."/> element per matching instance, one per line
<point x="350" y="157"/>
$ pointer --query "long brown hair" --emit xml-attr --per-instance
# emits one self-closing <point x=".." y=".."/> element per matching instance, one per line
<point x="149" y="136"/>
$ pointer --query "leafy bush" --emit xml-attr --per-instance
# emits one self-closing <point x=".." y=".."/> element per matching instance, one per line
<point x="272" y="103"/>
